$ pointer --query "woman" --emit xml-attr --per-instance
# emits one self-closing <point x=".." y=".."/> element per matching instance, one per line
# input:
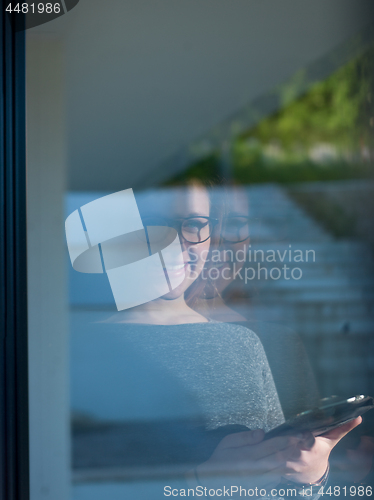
<point x="208" y="381"/>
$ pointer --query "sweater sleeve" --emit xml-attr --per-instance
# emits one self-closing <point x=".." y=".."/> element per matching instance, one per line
<point x="274" y="416"/>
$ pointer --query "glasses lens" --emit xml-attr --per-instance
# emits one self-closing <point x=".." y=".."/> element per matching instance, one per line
<point x="235" y="229"/>
<point x="196" y="230"/>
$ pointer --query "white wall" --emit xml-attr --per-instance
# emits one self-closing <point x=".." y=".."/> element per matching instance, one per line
<point x="145" y="78"/>
<point x="47" y="291"/>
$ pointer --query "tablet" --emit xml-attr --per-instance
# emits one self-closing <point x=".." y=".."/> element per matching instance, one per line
<point x="332" y="413"/>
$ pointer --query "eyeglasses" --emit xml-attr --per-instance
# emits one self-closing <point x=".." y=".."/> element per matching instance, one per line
<point x="194" y="230"/>
<point x="235" y="229"/>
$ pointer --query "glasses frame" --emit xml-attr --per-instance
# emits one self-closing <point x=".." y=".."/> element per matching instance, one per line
<point x="177" y="224"/>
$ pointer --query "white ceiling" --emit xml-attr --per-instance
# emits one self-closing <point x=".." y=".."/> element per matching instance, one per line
<point x="144" y="78"/>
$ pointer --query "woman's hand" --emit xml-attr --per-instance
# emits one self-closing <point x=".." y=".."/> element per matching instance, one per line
<point x="311" y="458"/>
<point x="245" y="454"/>
<point x="302" y="459"/>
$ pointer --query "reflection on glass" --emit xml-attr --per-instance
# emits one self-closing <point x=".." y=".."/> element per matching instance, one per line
<point x="232" y="289"/>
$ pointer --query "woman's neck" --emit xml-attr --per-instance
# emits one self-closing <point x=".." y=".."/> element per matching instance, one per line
<point x="160" y="312"/>
<point x="215" y="308"/>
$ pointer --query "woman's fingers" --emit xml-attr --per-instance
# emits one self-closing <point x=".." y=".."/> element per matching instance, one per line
<point x="273" y="446"/>
<point x="246" y="438"/>
<point x="254" y="441"/>
<point x="338" y="433"/>
<point x="246" y="454"/>
<point x="269" y="456"/>
<point x="276" y="462"/>
<point x="237" y="463"/>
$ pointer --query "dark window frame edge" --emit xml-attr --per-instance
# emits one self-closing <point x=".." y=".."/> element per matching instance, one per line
<point x="14" y="418"/>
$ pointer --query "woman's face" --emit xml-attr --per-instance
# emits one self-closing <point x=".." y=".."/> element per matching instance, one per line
<point x="176" y="206"/>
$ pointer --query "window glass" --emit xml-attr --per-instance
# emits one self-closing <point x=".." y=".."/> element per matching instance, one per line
<point x="200" y="191"/>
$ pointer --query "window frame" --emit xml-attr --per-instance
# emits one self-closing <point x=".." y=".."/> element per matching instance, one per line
<point x="14" y="417"/>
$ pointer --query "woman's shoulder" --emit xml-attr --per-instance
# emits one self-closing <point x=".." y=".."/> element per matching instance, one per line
<point x="238" y="332"/>
<point x="212" y="334"/>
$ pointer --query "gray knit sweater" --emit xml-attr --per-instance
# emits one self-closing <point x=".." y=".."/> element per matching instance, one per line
<point x="169" y="393"/>
<point x="209" y="379"/>
<point x="222" y="367"/>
